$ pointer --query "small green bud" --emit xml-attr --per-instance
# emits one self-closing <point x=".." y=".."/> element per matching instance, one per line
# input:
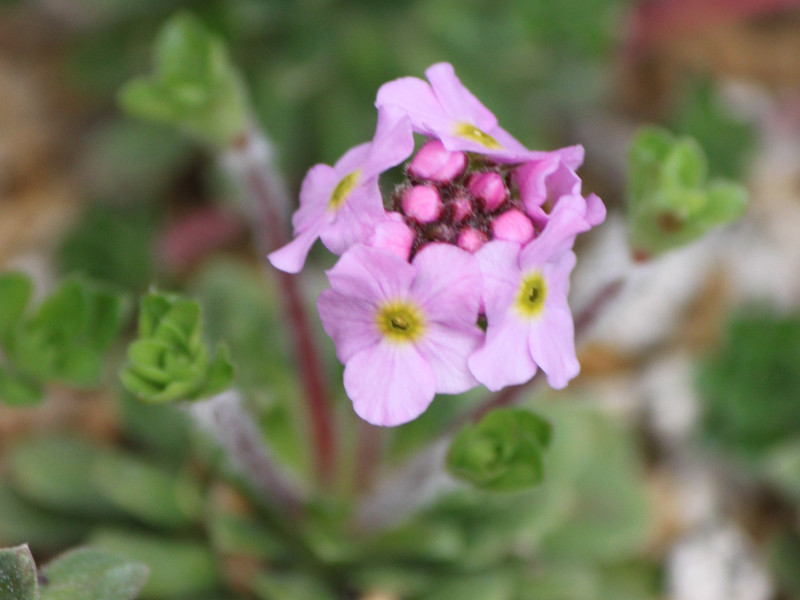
<point x="194" y="85"/>
<point x="502" y="452"/>
<point x="170" y="360"/>
<point x="17" y="574"/>
<point x="670" y="202"/>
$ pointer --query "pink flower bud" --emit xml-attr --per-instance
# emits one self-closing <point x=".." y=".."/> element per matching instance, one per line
<point x="513" y="226"/>
<point x="435" y="163"/>
<point x="460" y="208"/>
<point x="489" y="188"/>
<point x="393" y="235"/>
<point x="471" y="239"/>
<point x="422" y="203"/>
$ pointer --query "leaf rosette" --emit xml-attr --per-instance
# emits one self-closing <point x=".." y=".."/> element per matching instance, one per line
<point x="503" y="452"/>
<point x="170" y="360"/>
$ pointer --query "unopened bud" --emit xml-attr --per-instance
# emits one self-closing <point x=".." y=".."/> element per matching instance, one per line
<point x="513" y="226"/>
<point x="489" y="188"/>
<point x="471" y="239"/>
<point x="435" y="163"/>
<point x="460" y="208"/>
<point x="422" y="203"/>
<point x="393" y="235"/>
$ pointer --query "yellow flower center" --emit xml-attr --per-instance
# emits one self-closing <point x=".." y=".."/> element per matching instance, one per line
<point x="531" y="295"/>
<point x="343" y="190"/>
<point x="473" y="134"/>
<point x="400" y="321"/>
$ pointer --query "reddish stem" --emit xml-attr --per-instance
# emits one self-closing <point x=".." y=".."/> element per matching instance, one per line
<point x="367" y="455"/>
<point x="270" y="234"/>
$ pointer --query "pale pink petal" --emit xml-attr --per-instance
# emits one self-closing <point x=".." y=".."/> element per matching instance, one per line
<point x="389" y="384"/>
<point x="291" y="257"/>
<point x="355" y="220"/>
<point x="349" y="321"/>
<point x="448" y="284"/>
<point x="556" y="238"/>
<point x="504" y="359"/>
<point x="556" y="273"/>
<point x="393" y="235"/>
<point x="392" y="144"/>
<point x="552" y="345"/>
<point x="315" y="195"/>
<point x="446" y="348"/>
<point x="371" y="274"/>
<point x="595" y="210"/>
<point x="417" y="99"/>
<point x="499" y="264"/>
<point x="456" y="100"/>
<point x="351" y="160"/>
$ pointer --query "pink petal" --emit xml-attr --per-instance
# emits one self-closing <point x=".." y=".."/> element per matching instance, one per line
<point x="370" y="274"/>
<point x="351" y="160"/>
<point x="417" y="99"/>
<point x="389" y="384"/>
<point x="456" y="100"/>
<point x="393" y="235"/>
<point x="499" y="264"/>
<point x="557" y="237"/>
<point x="552" y="345"/>
<point x="595" y="210"/>
<point x="446" y="348"/>
<point x="291" y="257"/>
<point x="349" y="321"/>
<point x="354" y="222"/>
<point x="448" y="284"/>
<point x="504" y="359"/>
<point x="315" y="194"/>
<point x="393" y="141"/>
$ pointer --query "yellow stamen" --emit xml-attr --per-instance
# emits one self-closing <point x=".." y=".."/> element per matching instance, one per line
<point x="473" y="134"/>
<point x="531" y="295"/>
<point x="343" y="190"/>
<point x="400" y="321"/>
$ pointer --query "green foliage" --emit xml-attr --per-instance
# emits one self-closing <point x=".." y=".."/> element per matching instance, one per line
<point x="63" y="340"/>
<point x="112" y="244"/>
<point x="194" y="86"/>
<point x="670" y="201"/>
<point x="728" y="141"/>
<point x="90" y="574"/>
<point x="178" y="568"/>
<point x="170" y="360"/>
<point x="17" y="574"/>
<point x="503" y="452"/>
<point x="750" y="385"/>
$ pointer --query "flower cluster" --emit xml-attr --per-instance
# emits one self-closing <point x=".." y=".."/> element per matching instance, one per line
<point x="461" y="275"/>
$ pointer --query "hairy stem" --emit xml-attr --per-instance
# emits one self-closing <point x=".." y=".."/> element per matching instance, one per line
<point x="269" y="227"/>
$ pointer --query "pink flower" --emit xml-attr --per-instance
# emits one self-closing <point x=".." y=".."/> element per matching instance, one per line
<point x="404" y="331"/>
<point x="448" y="111"/>
<point x="342" y="204"/>
<point x="545" y="184"/>
<point x="529" y="324"/>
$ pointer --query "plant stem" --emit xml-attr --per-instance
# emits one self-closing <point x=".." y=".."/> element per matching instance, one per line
<point x="367" y="455"/>
<point x="270" y="233"/>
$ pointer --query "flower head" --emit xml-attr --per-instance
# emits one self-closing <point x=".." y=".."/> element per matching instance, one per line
<point x="447" y="111"/>
<point x="342" y="204"/>
<point x="404" y="331"/>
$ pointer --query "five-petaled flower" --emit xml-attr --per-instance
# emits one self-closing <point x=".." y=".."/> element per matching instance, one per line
<point x="404" y="331"/>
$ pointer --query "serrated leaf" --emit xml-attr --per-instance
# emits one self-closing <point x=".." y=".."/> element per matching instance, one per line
<point x="17" y="574"/>
<point x="502" y="452"/>
<point x="91" y="574"/>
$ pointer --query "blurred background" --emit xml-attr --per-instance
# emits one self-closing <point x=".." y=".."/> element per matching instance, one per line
<point x="695" y="371"/>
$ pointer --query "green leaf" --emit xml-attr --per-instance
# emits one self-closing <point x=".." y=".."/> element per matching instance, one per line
<point x="17" y="391"/>
<point x="17" y="574"/>
<point x="177" y="568"/>
<point x="670" y="203"/>
<point x="153" y="495"/>
<point x="55" y="472"/>
<point x="195" y="86"/>
<point x="90" y="574"/>
<point x="169" y="361"/>
<point x="15" y="293"/>
<point x="502" y="452"/>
